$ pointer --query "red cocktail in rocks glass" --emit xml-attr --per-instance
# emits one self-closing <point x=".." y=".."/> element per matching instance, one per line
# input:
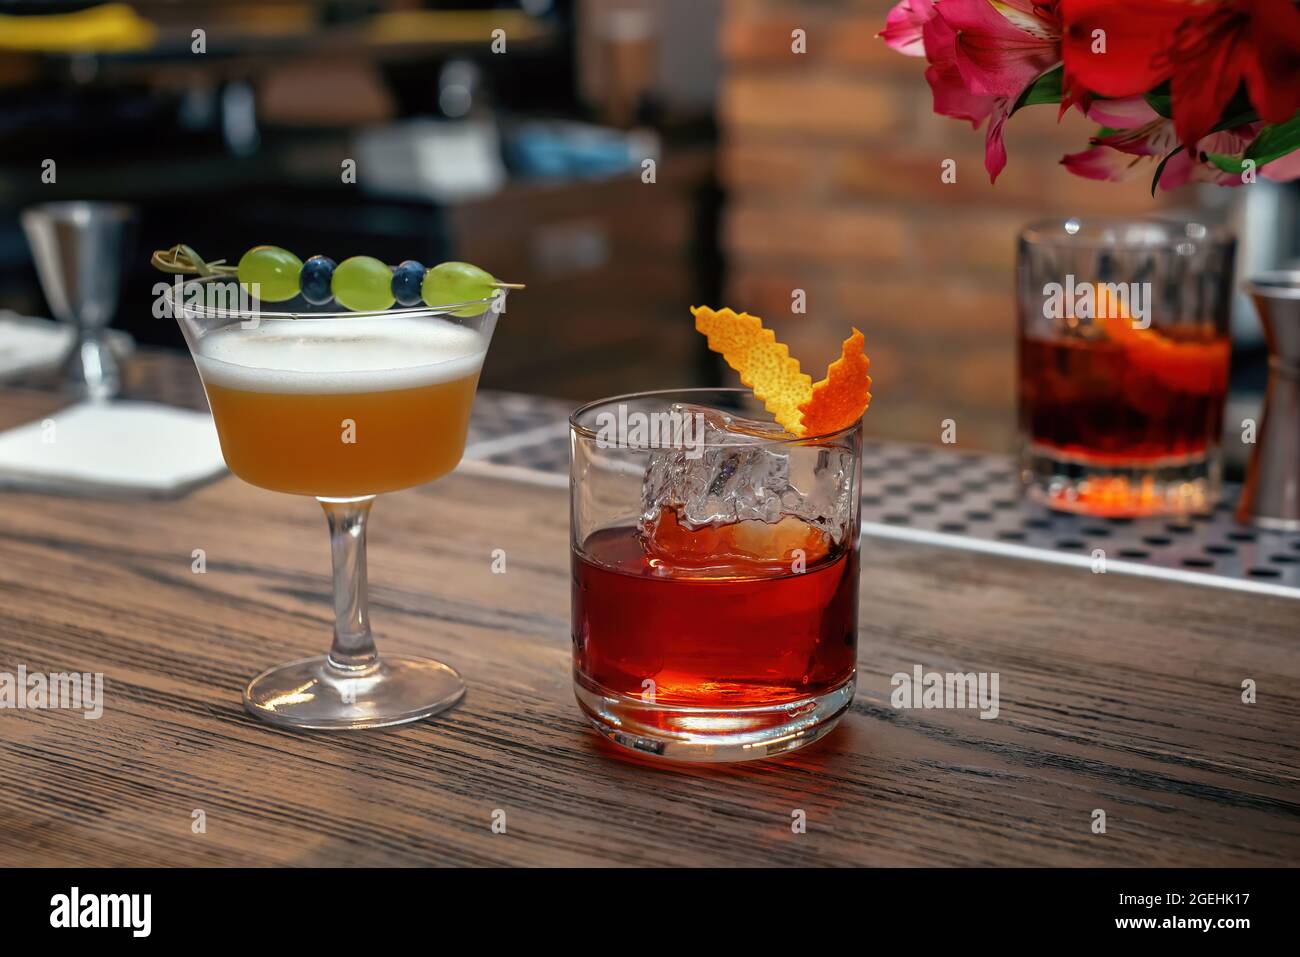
<point x="1124" y="353"/>
<point x="715" y="575"/>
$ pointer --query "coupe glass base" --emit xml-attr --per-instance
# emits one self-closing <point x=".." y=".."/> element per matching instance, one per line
<point x="712" y="734"/>
<point x="314" y="694"/>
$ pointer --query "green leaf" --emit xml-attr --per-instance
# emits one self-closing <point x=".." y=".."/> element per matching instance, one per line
<point x="1237" y="113"/>
<point x="1229" y="164"/>
<point x="1045" y="89"/>
<point x="1155" y="180"/>
<point x="1274" y="141"/>
<point x="1161" y="101"/>
<point x="1234" y="120"/>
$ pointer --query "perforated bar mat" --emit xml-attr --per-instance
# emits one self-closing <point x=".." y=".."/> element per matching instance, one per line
<point x="972" y="501"/>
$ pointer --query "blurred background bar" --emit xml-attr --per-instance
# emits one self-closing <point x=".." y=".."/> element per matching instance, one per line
<point x="230" y="124"/>
<point x="528" y="161"/>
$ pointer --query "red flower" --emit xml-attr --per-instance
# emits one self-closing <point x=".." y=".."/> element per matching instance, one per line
<point x="1207" y="50"/>
<point x="1109" y="46"/>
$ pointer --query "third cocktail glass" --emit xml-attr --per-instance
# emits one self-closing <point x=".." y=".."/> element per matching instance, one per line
<point x="1124" y="353"/>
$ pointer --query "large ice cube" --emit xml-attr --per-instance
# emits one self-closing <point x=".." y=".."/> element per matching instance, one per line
<point x="738" y="477"/>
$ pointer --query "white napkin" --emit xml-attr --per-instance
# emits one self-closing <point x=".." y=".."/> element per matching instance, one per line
<point x="112" y="447"/>
<point x="28" y="344"/>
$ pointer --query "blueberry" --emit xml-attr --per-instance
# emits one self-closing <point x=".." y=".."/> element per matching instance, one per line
<point x="315" y="279"/>
<point x="407" y="279"/>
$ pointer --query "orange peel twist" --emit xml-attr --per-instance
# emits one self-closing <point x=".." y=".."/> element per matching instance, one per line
<point x="766" y="366"/>
<point x="839" y="400"/>
<point x="1199" y="368"/>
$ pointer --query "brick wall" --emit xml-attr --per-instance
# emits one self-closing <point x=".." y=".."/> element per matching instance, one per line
<point x="831" y="160"/>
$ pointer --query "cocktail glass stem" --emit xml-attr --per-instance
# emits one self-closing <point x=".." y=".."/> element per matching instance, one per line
<point x="352" y="686"/>
<point x="353" y="650"/>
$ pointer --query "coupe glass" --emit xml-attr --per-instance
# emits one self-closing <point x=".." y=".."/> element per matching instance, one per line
<point x="340" y="406"/>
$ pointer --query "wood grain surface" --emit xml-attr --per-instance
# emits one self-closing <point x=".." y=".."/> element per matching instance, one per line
<point x="1117" y="693"/>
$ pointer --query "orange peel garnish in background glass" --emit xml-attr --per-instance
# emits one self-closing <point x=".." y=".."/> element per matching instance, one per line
<point x="801" y="407"/>
<point x="1200" y="368"/>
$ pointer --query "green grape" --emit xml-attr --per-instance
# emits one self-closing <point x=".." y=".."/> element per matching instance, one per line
<point x="272" y="271"/>
<point x="363" y="284"/>
<point x="457" y="282"/>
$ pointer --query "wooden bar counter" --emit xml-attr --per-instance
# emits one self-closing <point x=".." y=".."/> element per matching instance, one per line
<point x="1118" y="694"/>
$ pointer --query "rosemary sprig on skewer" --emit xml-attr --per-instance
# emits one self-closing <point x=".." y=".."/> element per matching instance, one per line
<point x="181" y="259"/>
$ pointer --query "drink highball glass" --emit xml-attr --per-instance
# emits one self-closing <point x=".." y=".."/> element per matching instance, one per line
<point x="715" y="575"/>
<point x="1124" y="352"/>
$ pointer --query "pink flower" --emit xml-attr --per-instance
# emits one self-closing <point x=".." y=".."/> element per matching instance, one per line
<point x="952" y="97"/>
<point x="903" y="26"/>
<point x="1002" y="50"/>
<point x="981" y="57"/>
<point x="1141" y="137"/>
<point x="1283" y="169"/>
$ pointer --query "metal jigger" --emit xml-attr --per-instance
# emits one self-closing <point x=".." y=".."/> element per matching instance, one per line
<point x="1271" y="498"/>
<point x="77" y="247"/>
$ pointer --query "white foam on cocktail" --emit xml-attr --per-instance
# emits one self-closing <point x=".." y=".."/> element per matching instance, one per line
<point x="366" y="355"/>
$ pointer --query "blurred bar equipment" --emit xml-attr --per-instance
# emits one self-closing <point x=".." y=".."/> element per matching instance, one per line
<point x="1271" y="497"/>
<point x="78" y="247"/>
<point x="621" y="58"/>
